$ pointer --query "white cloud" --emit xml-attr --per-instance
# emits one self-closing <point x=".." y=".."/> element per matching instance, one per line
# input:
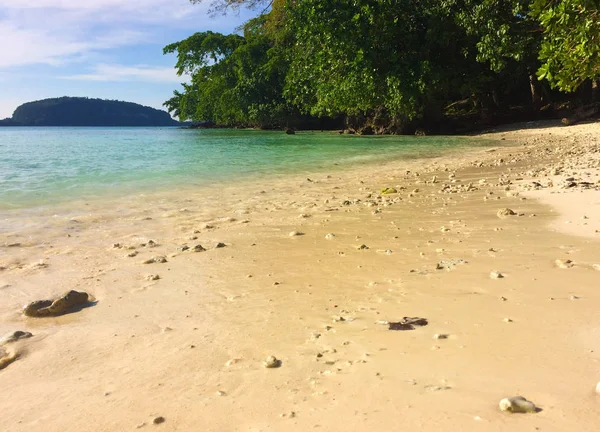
<point x="145" y="73"/>
<point x="56" y="32"/>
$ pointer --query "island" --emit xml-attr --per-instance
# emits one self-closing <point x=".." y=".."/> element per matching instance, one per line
<point x="82" y="111"/>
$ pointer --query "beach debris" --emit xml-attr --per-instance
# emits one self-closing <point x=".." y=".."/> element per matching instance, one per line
<point x="15" y="336"/>
<point x="505" y="212"/>
<point x="517" y="404"/>
<point x="408" y="323"/>
<point x="272" y="362"/>
<point x="158" y="420"/>
<point x="388" y="190"/>
<point x="564" y="264"/>
<point x="60" y="306"/>
<point x="496" y="275"/>
<point x="156" y="259"/>
<point x="6" y="357"/>
<point x="449" y="264"/>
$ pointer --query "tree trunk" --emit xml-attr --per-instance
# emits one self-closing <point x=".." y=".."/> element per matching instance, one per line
<point x="595" y="90"/>
<point x="534" y="84"/>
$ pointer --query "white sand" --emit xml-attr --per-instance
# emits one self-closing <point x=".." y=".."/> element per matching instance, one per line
<point x="190" y="346"/>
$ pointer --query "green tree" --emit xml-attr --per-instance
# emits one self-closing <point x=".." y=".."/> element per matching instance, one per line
<point x="570" y="49"/>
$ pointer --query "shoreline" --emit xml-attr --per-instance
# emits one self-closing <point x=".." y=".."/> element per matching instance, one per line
<point x="194" y="340"/>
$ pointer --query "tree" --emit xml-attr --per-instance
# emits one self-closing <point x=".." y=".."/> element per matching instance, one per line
<point x="235" y="80"/>
<point x="570" y="49"/>
<point x="404" y="57"/>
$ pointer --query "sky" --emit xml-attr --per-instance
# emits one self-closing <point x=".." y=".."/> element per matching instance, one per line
<point x="109" y="49"/>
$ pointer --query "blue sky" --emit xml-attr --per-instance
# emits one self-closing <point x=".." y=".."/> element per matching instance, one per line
<point x="97" y="48"/>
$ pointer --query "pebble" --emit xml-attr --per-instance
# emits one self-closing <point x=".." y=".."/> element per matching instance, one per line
<point x="272" y="362"/>
<point x="295" y="234"/>
<point x="15" y="336"/>
<point x="564" y="264"/>
<point x="329" y="236"/>
<point x="496" y="275"/>
<point x="440" y="336"/>
<point x="220" y="245"/>
<point x="156" y="259"/>
<point x="158" y="420"/>
<point x="198" y="248"/>
<point x="517" y="404"/>
<point x="152" y="277"/>
<point x="505" y="212"/>
<point x="362" y="247"/>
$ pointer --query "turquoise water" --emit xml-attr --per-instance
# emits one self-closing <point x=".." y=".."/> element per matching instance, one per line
<point x="40" y="166"/>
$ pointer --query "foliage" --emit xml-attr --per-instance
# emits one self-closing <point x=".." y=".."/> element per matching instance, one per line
<point x="570" y="49"/>
<point x="396" y="60"/>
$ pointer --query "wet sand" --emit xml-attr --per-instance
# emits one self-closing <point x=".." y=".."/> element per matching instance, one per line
<point x="190" y="345"/>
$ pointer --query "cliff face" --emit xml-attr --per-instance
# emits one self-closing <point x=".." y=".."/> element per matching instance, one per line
<point x="75" y="111"/>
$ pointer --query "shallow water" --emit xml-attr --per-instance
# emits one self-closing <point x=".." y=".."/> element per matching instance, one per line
<point x="41" y="166"/>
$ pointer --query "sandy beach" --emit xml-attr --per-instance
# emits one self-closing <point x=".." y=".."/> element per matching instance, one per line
<point x="313" y="269"/>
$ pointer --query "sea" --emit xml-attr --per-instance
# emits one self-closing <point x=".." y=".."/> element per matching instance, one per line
<point x="41" y="166"/>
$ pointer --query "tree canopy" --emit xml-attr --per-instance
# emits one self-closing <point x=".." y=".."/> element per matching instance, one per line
<point x="389" y="61"/>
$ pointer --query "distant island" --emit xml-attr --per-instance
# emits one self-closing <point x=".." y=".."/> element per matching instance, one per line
<point x="81" y="111"/>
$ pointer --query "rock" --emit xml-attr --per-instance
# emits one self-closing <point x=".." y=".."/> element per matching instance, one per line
<point x="6" y="358"/>
<point x="158" y="420"/>
<point x="272" y="362"/>
<point x="15" y="336"/>
<point x="60" y="306"/>
<point x="156" y="259"/>
<point x="440" y="336"/>
<point x="329" y="236"/>
<point x="152" y="277"/>
<point x="496" y="275"/>
<point x="564" y="264"/>
<point x="290" y="131"/>
<point x="362" y="247"/>
<point x="505" y="212"/>
<point x="517" y="404"/>
<point x="295" y="234"/>
<point x="388" y="190"/>
<point x="408" y="323"/>
<point x="198" y="248"/>
<point x="220" y="245"/>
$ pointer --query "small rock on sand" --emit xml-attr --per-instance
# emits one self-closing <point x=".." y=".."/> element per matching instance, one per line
<point x="156" y="259"/>
<point x="15" y="336"/>
<point x="329" y="236"/>
<point x="496" y="275"/>
<point x="295" y="234"/>
<point x="438" y="336"/>
<point x="272" y="362"/>
<point x="60" y="306"/>
<point x="517" y="404"/>
<point x="6" y="358"/>
<point x="158" y="420"/>
<point x="152" y="277"/>
<point x="505" y="212"/>
<point x="564" y="264"/>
